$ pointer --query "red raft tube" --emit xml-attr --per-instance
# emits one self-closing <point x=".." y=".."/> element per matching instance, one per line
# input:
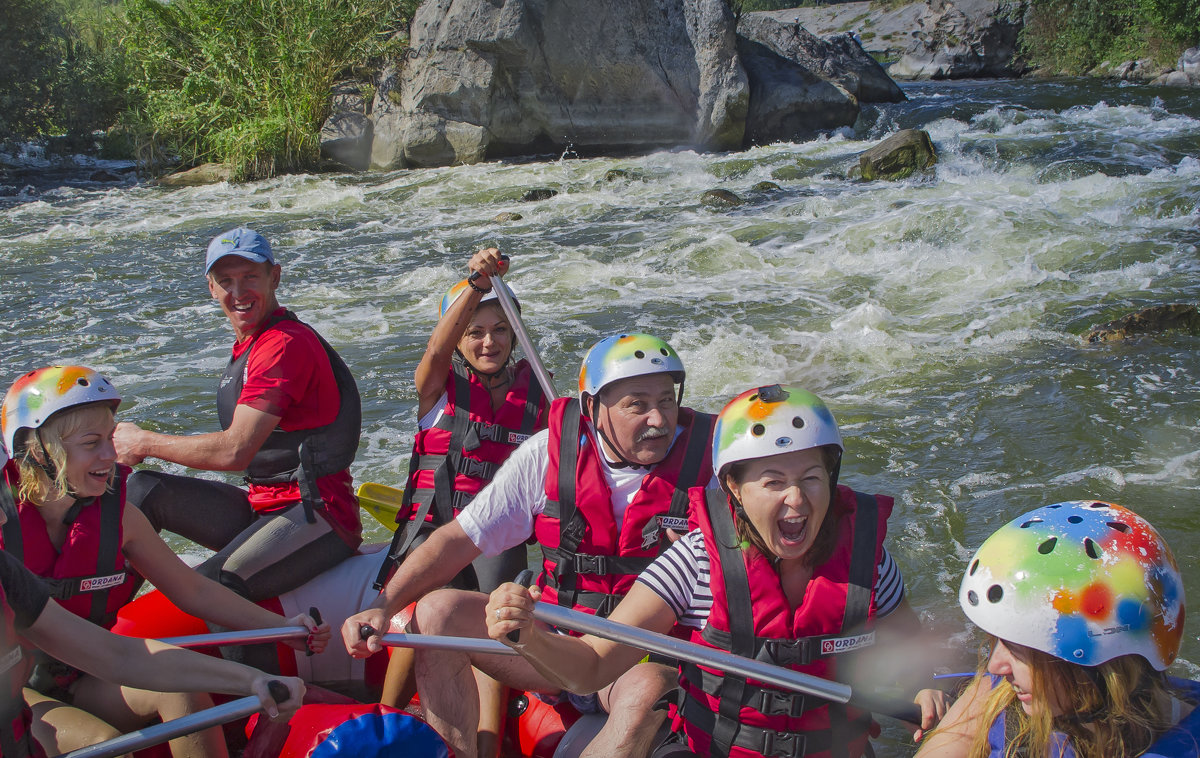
<point x="339" y="717"/>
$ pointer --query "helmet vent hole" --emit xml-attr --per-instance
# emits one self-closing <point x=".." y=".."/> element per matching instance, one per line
<point x="1122" y="528"/>
<point x="995" y="593"/>
<point x="81" y="382"/>
<point x="754" y="397"/>
<point x="758" y="430"/>
<point x="1047" y="547"/>
<point x="974" y="565"/>
<point x="663" y="350"/>
<point x="1091" y="548"/>
<point x="1031" y="522"/>
<point x="972" y="598"/>
<point x="797" y="422"/>
<point x="1075" y="519"/>
<point x="639" y="354"/>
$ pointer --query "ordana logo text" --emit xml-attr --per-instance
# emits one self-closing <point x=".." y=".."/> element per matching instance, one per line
<point x="101" y="582"/>
<point x="846" y="644"/>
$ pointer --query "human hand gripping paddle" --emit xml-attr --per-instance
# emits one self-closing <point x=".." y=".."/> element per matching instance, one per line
<point x="315" y="640"/>
<point x="509" y="306"/>
<point x="169" y="730"/>
<point x="778" y="676"/>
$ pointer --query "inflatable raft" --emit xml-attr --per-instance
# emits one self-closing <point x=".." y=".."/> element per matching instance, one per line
<point x="341" y="714"/>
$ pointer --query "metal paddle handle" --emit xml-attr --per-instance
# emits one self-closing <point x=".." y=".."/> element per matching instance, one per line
<point x="238" y="637"/>
<point x="169" y="730"/>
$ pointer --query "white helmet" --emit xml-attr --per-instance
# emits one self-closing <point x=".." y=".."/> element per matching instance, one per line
<point x="771" y="420"/>
<point x="625" y="355"/>
<point x="1084" y="581"/>
<point x="41" y="393"/>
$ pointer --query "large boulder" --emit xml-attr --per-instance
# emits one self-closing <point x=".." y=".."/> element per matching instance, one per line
<point x="961" y="39"/>
<point x="839" y="60"/>
<point x="899" y="156"/>
<point x="495" y="78"/>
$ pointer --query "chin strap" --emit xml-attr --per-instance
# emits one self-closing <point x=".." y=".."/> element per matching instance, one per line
<point x="46" y="464"/>
<point x="621" y="461"/>
<point x="486" y="378"/>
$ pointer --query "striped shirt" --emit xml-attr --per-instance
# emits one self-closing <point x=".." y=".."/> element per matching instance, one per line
<point x="680" y="576"/>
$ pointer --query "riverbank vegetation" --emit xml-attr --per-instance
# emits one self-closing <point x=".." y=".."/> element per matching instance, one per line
<point x="1074" y="36"/>
<point x="246" y="82"/>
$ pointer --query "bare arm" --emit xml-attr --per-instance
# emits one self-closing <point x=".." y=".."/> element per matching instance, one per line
<point x="435" y="363"/>
<point x="149" y="664"/>
<point x="197" y="594"/>
<point x="230" y="450"/>
<point x="962" y="722"/>
<point x="447" y="551"/>
<point x="577" y="664"/>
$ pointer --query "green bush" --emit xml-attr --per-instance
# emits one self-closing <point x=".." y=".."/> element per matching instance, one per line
<point x="246" y="82"/>
<point x="1073" y="36"/>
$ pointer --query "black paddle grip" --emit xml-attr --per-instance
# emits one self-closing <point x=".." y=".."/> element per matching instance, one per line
<point x="525" y="579"/>
<point x="315" y="615"/>
<point x="279" y="691"/>
<point x="475" y="274"/>
<point x="365" y="631"/>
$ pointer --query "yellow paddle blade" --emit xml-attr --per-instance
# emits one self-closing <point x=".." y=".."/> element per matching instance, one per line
<point x="381" y="501"/>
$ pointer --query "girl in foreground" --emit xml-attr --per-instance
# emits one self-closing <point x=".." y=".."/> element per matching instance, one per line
<point x="1084" y="606"/>
<point x="796" y="567"/>
<point x="70" y="525"/>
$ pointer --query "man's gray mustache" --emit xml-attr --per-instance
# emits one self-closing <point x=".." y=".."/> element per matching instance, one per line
<point x="651" y="433"/>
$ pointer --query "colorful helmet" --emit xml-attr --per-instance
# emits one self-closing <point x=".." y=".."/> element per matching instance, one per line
<point x="453" y="293"/>
<point x="1083" y="581"/>
<point x="624" y="355"/>
<point x="769" y="421"/>
<point x="38" y="395"/>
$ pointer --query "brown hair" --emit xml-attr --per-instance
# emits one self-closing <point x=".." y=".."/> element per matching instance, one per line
<point x="1115" y="708"/>
<point x="826" y="539"/>
<point x="36" y="487"/>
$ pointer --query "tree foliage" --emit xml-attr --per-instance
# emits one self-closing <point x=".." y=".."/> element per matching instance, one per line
<point x="1073" y="36"/>
<point x="247" y="82"/>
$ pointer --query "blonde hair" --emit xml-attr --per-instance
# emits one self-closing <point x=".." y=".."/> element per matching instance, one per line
<point x="1115" y="708"/>
<point x="36" y="486"/>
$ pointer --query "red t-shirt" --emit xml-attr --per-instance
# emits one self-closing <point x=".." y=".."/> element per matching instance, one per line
<point x="288" y="375"/>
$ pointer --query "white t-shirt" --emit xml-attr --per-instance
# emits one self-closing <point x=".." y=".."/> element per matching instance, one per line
<point x="681" y="577"/>
<point x="501" y="515"/>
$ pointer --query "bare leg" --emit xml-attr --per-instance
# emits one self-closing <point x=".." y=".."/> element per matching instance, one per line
<point x="59" y="728"/>
<point x="447" y="685"/>
<point x="493" y="707"/>
<point x="128" y="708"/>
<point x="400" y="683"/>
<point x="632" y="721"/>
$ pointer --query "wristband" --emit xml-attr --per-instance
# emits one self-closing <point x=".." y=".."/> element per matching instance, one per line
<point x="477" y="288"/>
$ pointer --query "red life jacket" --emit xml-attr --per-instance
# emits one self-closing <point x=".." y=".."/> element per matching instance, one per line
<point x="441" y="483"/>
<point x="16" y="739"/>
<point x="587" y="562"/>
<point x="89" y="576"/>
<point x="726" y="715"/>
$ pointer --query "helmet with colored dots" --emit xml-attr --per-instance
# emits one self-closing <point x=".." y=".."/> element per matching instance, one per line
<point x="772" y="420"/>
<point x="41" y="393"/>
<point x="1084" y="581"/>
<point x="454" y="292"/>
<point x="622" y="356"/>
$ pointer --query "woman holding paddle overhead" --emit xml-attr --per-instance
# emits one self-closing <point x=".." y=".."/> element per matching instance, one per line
<point x="70" y="525"/>
<point x="786" y="566"/>
<point x="1083" y="604"/>
<point x="475" y="405"/>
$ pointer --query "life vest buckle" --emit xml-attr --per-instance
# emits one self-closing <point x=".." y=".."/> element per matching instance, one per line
<point x="795" y="652"/>
<point x="783" y="744"/>
<point x="591" y="564"/>
<point x="772" y="702"/>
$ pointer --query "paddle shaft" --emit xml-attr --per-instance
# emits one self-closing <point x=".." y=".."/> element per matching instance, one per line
<point x="241" y="637"/>
<point x="509" y="306"/>
<point x="455" y="644"/>
<point x="158" y="733"/>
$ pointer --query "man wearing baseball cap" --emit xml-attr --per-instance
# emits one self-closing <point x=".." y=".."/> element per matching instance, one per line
<point x="290" y="417"/>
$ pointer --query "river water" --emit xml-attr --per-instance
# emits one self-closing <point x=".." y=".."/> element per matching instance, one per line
<point x="940" y="317"/>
